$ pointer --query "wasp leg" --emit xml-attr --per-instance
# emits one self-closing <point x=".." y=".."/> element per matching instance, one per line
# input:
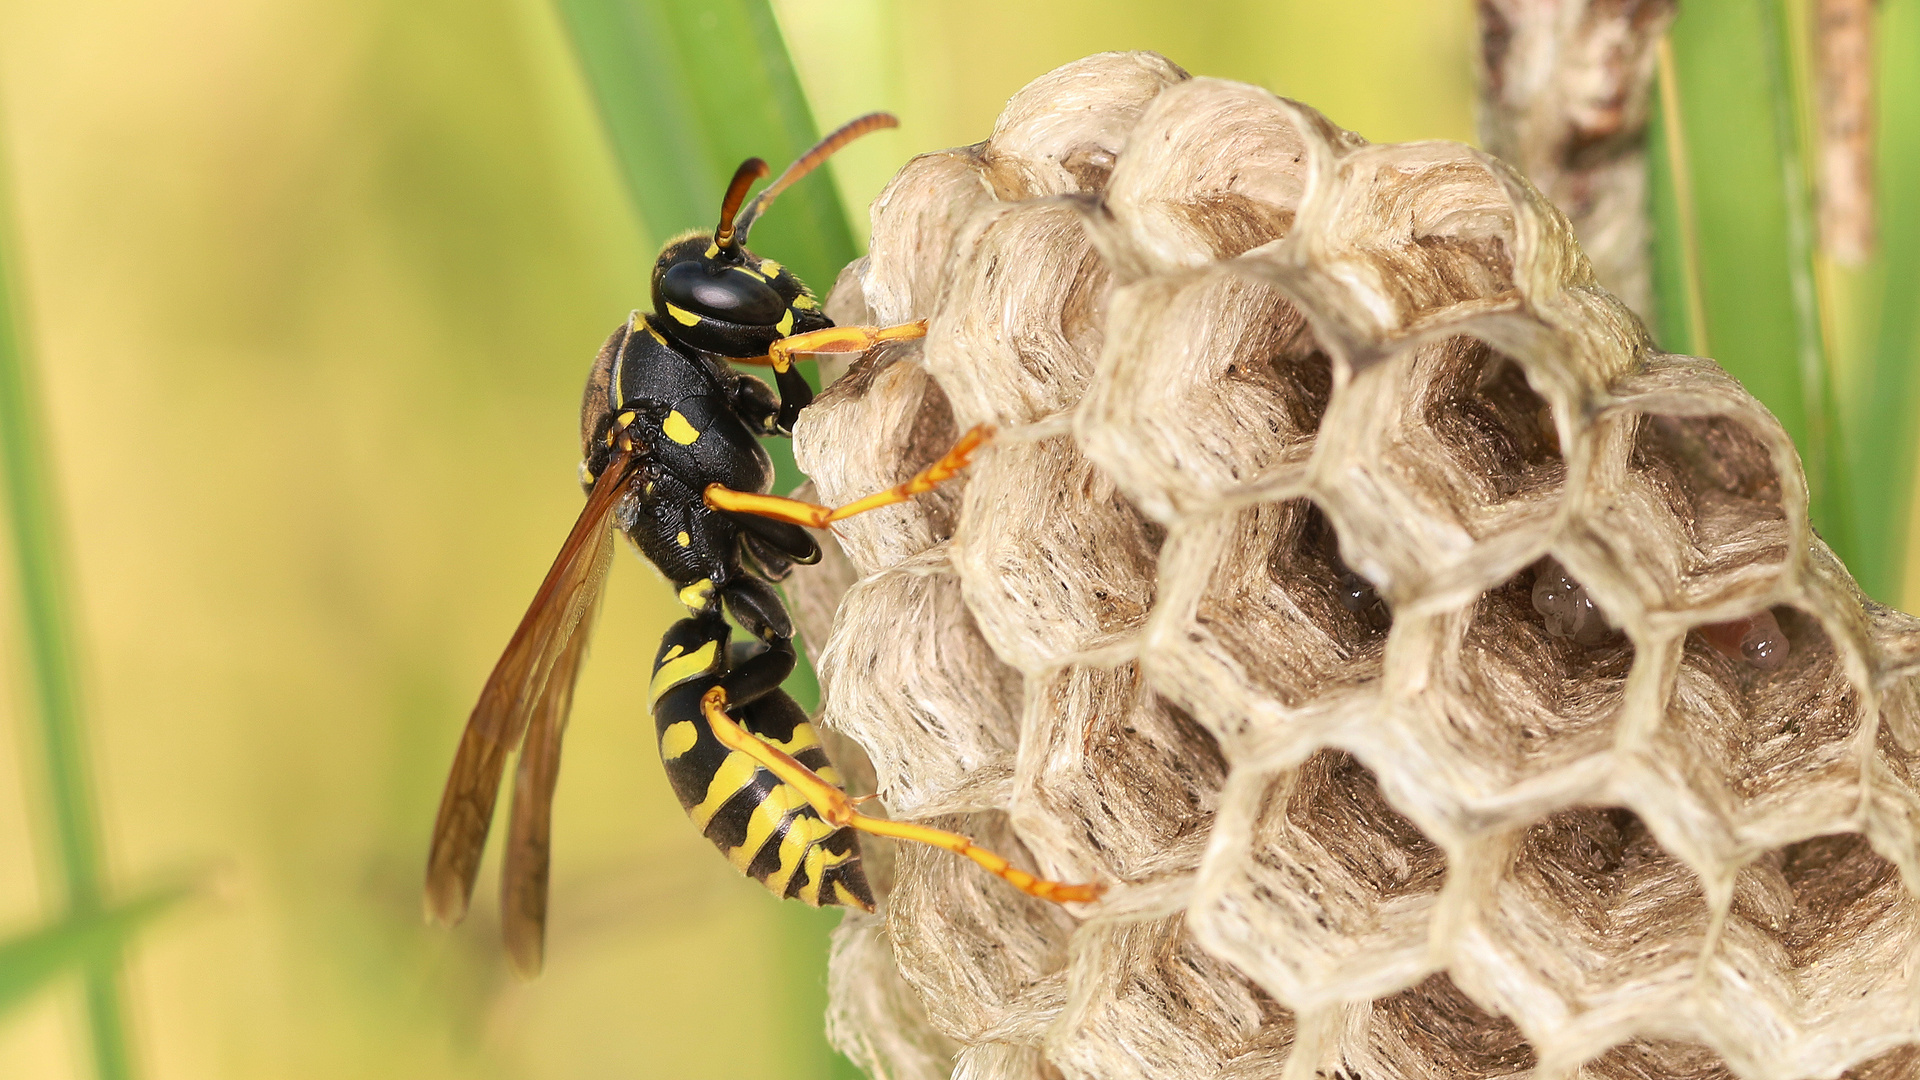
<point x="837" y="809"/>
<point x="840" y="339"/>
<point x="758" y="670"/>
<point x="795" y="394"/>
<point x="780" y="537"/>
<point x="757" y="608"/>
<point x="816" y="516"/>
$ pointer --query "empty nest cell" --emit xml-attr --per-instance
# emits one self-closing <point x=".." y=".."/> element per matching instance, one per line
<point x="1653" y="1059"/>
<point x="874" y="427"/>
<point x="1591" y="931"/>
<point x="1822" y="939"/>
<point x="1113" y="783"/>
<point x="987" y="961"/>
<point x="1426" y="228"/>
<point x="1327" y="894"/>
<point x="1441" y="464"/>
<point x="1434" y="1032"/>
<point x="1021" y="321"/>
<point x="910" y="678"/>
<point x="1210" y="384"/>
<point x="1157" y="1005"/>
<point x="1053" y="560"/>
<point x="1213" y="170"/>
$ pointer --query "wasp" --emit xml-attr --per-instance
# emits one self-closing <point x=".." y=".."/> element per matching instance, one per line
<point x="671" y="459"/>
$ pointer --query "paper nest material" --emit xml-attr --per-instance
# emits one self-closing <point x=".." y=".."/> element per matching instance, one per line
<point x="1243" y="363"/>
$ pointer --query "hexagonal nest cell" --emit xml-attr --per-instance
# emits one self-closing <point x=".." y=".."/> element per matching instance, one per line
<point x="1445" y="681"/>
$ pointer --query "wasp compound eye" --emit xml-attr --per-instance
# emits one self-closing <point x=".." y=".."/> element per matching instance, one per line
<point x="735" y="294"/>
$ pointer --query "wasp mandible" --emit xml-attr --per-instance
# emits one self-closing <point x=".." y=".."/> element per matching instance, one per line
<point x="671" y="459"/>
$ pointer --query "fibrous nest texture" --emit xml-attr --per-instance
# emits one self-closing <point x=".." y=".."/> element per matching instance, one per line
<point x="1447" y="680"/>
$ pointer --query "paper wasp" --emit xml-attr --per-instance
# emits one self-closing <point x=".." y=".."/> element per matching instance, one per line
<point x="672" y="460"/>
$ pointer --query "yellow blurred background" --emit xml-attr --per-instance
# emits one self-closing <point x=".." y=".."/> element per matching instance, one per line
<point x="313" y="288"/>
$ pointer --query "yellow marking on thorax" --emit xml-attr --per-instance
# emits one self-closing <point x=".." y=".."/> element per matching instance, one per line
<point x="802" y="834"/>
<point x="806" y="302"/>
<point x="734" y="773"/>
<point x="676" y="428"/>
<point x="683" y="539"/>
<point x="750" y="272"/>
<point x="697" y="595"/>
<point x="770" y="268"/>
<point x="679" y="739"/>
<point x="712" y="250"/>
<point x="682" y="316"/>
<point x="779" y="804"/>
<point x="657" y="336"/>
<point x="785" y="325"/>
<point x="675" y="669"/>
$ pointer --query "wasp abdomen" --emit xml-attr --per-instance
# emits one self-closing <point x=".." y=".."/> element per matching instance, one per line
<point x="764" y="826"/>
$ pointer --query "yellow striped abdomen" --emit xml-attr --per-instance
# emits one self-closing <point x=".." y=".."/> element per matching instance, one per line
<point x="764" y="827"/>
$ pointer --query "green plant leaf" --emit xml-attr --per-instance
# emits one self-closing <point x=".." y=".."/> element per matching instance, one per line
<point x="31" y="960"/>
<point x="1885" y="399"/>
<point x="48" y="635"/>
<point x="689" y="90"/>
<point x="1739" y="102"/>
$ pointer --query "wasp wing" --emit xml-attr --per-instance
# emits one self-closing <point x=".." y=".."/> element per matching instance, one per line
<point x="513" y="693"/>
<point x="523" y="874"/>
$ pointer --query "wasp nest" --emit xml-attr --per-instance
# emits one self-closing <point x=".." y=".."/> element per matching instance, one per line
<point x="1448" y="680"/>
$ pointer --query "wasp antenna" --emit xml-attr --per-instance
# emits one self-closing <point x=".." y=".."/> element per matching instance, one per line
<point x="750" y="170"/>
<point x="810" y="161"/>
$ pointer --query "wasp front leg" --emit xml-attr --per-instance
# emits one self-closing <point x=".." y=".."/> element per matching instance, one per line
<point x="813" y="515"/>
<point x="836" y="808"/>
<point x="794" y="391"/>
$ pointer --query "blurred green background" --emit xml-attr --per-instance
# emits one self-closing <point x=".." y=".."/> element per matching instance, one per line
<point x="312" y="288"/>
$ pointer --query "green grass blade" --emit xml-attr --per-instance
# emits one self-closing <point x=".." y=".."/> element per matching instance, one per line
<point x="33" y="959"/>
<point x="1738" y="107"/>
<point x="1884" y="406"/>
<point x="1786" y="93"/>
<point x="1682" y="312"/>
<point x="49" y="638"/>
<point x="687" y="90"/>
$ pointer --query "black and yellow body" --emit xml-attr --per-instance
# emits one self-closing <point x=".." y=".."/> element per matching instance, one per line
<point x="764" y="826"/>
<point x="671" y="459"/>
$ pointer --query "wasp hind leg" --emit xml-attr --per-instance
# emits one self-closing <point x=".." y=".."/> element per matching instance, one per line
<point x="836" y="808"/>
<point x="739" y="504"/>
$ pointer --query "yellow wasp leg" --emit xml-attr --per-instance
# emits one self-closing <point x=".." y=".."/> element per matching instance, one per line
<point x="837" y="809"/>
<point x="816" y="516"/>
<point x="840" y="339"/>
